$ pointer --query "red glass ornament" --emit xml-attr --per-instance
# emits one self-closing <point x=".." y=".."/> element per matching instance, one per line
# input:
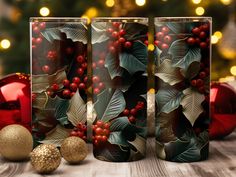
<point x="15" y="100"/>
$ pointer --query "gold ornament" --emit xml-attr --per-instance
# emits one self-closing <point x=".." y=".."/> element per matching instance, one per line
<point x="16" y="142"/>
<point x="74" y="149"/>
<point x="45" y="158"/>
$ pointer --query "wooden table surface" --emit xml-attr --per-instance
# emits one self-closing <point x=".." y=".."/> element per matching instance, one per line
<point x="221" y="163"/>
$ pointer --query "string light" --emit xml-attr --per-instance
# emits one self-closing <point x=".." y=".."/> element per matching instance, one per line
<point x="91" y="12"/>
<point x="226" y="2"/>
<point x="214" y="39"/>
<point x="140" y="2"/>
<point x="5" y="43"/>
<point x="44" y="11"/>
<point x="196" y="1"/>
<point x="151" y="47"/>
<point x="199" y="11"/>
<point x="233" y="70"/>
<point x="110" y="3"/>
<point x="218" y="34"/>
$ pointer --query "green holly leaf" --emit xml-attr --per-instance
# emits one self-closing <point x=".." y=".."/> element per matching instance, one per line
<point x="112" y="66"/>
<point x="118" y="139"/>
<point x="135" y="30"/>
<point x="183" y="55"/>
<point x="136" y="59"/>
<point x="40" y="100"/>
<point x="119" y="124"/>
<point x="110" y="103"/>
<point x="160" y="150"/>
<point x="180" y="28"/>
<point x="192" y="70"/>
<point x="168" y="73"/>
<point x="168" y="99"/>
<point x="99" y="33"/>
<point x="191" y="104"/>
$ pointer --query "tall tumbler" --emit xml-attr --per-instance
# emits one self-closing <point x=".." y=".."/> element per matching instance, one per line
<point x="59" y="77"/>
<point x="119" y="82"/>
<point x="183" y="54"/>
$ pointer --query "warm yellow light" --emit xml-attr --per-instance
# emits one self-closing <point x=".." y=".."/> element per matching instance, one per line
<point x="214" y="39"/>
<point x="196" y="1"/>
<point x="140" y="2"/>
<point x="151" y="47"/>
<point x="5" y="43"/>
<point x="110" y="3"/>
<point x="91" y="12"/>
<point x="233" y="70"/>
<point x="199" y="10"/>
<point x="226" y="2"/>
<point x="88" y="19"/>
<point x="152" y="91"/>
<point x="44" y="11"/>
<point x="218" y="34"/>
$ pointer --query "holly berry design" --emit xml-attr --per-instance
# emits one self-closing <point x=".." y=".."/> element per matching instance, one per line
<point x="182" y="92"/>
<point x="59" y="80"/>
<point x="119" y="60"/>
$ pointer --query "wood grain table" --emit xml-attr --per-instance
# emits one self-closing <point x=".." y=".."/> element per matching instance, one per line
<point x="221" y="163"/>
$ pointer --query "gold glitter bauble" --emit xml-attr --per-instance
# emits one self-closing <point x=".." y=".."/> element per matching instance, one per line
<point x="45" y="158"/>
<point x="74" y="149"/>
<point x="16" y="142"/>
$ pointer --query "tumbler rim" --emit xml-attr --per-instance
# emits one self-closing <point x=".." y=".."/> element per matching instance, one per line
<point x="129" y="19"/>
<point x="183" y="19"/>
<point x="58" y="19"/>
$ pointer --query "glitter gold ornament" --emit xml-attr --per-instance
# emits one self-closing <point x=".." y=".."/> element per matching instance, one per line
<point x="45" y="158"/>
<point x="74" y="149"/>
<point x="16" y="142"/>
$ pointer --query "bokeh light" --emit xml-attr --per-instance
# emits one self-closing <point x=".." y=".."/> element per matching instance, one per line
<point x="218" y="34"/>
<point x="110" y="3"/>
<point x="214" y="39"/>
<point x="140" y="2"/>
<point x="196" y="1"/>
<point x="5" y="44"/>
<point x="199" y="11"/>
<point x="233" y="70"/>
<point x="226" y="2"/>
<point x="44" y="11"/>
<point x="92" y="12"/>
<point x="151" y="47"/>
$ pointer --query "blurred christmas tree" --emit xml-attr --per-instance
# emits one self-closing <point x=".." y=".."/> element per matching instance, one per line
<point x="15" y="14"/>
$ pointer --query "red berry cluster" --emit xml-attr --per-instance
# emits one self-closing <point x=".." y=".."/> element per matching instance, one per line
<point x="100" y="63"/>
<point x="98" y="85"/>
<point x="37" y="28"/>
<point x="116" y="32"/>
<point x="163" y="39"/>
<point x="101" y="132"/>
<point x="80" y="131"/>
<point x="198" y="81"/>
<point x="133" y="112"/>
<point x="200" y="36"/>
<point x="51" y="55"/>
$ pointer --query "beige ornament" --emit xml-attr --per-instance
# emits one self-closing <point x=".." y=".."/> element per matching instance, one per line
<point x="16" y="142"/>
<point x="74" y="149"/>
<point x="45" y="158"/>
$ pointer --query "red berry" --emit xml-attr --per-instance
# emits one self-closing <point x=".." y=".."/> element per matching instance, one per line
<point x="116" y="44"/>
<point x="98" y="137"/>
<point x="101" y="63"/>
<point x="197" y="40"/>
<point x="194" y="82"/>
<point x="94" y="65"/>
<point x="115" y="34"/>
<point x="84" y="138"/>
<point x="205" y="27"/>
<point x="96" y="91"/>
<point x="72" y="94"/>
<point x="203" y="45"/>
<point x="84" y="65"/>
<point x="196" y="31"/>
<point x="34" y="47"/>
<point x="95" y="79"/>
<point x="33" y="40"/>
<point x="84" y="128"/>
<point x="202" y="35"/>
<point x="112" y="49"/>
<point x="82" y="86"/>
<point x="128" y="44"/>
<point x="80" y="59"/>
<point x="49" y="93"/>
<point x="38" y="40"/>
<point x="133" y="111"/>
<point x="80" y="71"/>
<point x="85" y="79"/>
<point x="34" y="24"/>
<point x="66" y="82"/>
<point x="121" y="40"/>
<point x="164" y="46"/>
<point x="101" y="85"/>
<point x="191" y="41"/>
<point x="126" y="112"/>
<point x="80" y="134"/>
<point x="42" y="25"/>
<point x="69" y="51"/>
<point x="73" y="87"/>
<point x="159" y="35"/>
<point x="158" y="43"/>
<point x="110" y="30"/>
<point x="98" y="131"/>
<point x="55" y="87"/>
<point x="106" y="126"/>
<point x="202" y="75"/>
<point x="201" y="89"/>
<point x="52" y="55"/>
<point x="73" y="133"/>
<point x="116" y="24"/>
<point x="106" y="132"/>
<point x="95" y="142"/>
<point x="132" y="119"/>
<point x="99" y="123"/>
<point x="165" y="29"/>
<point x="146" y="42"/>
<point x="46" y="69"/>
<point x="104" y="139"/>
<point x="76" y="80"/>
<point x="122" y="32"/>
<point x="66" y="93"/>
<point x="167" y="39"/>
<point x="95" y="127"/>
<point x="36" y="30"/>
<point x="200" y="82"/>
